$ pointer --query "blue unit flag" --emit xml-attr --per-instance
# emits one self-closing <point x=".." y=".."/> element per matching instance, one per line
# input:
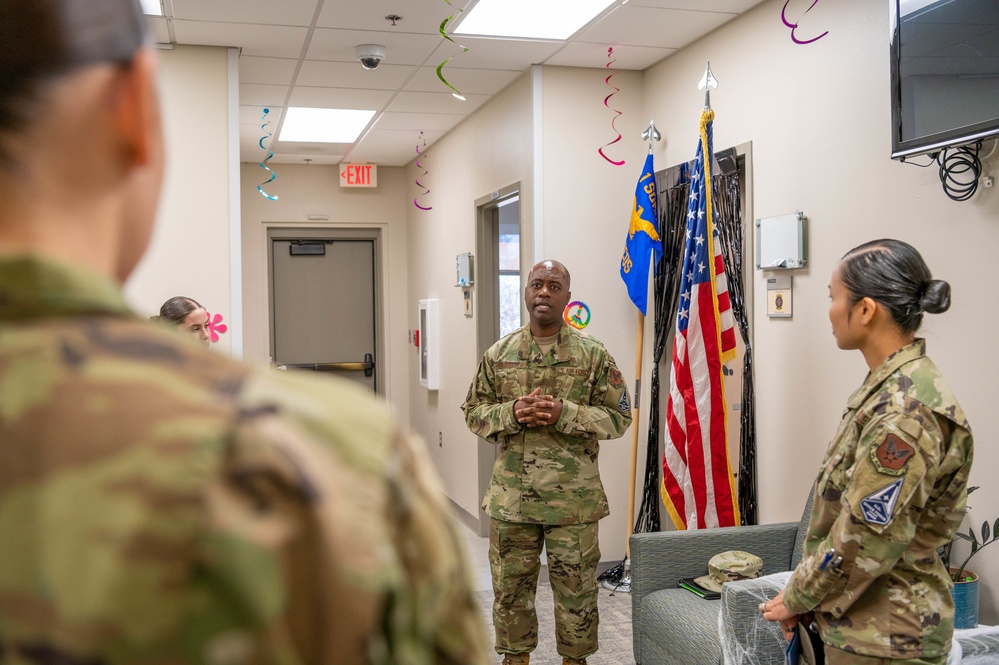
<point x="643" y="238"/>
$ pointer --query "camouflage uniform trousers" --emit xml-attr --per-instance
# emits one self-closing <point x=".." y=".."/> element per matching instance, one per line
<point x="515" y="561"/>
<point x="836" y="656"/>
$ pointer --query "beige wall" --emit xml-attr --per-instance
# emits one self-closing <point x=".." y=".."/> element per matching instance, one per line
<point x="490" y="150"/>
<point x="587" y="210"/>
<point x="818" y="118"/>
<point x="304" y="190"/>
<point x="190" y="250"/>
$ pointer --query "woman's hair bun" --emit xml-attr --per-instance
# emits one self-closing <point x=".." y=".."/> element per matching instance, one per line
<point x="935" y="297"/>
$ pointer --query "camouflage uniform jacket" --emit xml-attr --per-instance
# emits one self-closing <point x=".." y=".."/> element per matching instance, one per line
<point x="549" y="474"/>
<point x="891" y="490"/>
<point x="161" y="503"/>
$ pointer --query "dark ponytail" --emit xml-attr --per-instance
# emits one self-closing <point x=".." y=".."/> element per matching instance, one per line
<point x="176" y="310"/>
<point x="894" y="274"/>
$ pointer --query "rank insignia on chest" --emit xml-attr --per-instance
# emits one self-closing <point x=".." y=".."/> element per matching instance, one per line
<point x="892" y="456"/>
<point x="878" y="506"/>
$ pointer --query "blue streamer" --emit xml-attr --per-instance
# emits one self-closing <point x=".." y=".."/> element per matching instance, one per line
<point x="270" y="153"/>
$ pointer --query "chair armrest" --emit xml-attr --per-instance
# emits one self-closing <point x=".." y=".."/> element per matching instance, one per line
<point x="747" y="638"/>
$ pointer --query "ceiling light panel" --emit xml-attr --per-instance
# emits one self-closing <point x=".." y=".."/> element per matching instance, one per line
<point x="309" y="125"/>
<point x="530" y="19"/>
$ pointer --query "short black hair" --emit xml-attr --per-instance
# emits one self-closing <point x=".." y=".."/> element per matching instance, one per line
<point x="44" y="39"/>
<point x="894" y="274"/>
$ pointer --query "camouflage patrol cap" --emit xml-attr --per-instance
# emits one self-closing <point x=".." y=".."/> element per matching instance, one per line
<point x="730" y="566"/>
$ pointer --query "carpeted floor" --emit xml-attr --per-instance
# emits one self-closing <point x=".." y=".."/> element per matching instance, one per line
<point x="614" y="631"/>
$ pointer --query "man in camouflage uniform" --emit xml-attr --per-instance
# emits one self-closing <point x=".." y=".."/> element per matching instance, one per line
<point x="546" y="394"/>
<point x="160" y="503"/>
<point x="891" y="490"/>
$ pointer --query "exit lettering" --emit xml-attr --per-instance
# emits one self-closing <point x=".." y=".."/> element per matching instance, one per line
<point x="358" y="175"/>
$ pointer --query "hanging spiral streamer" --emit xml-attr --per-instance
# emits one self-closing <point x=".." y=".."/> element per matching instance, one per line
<point x="270" y="153"/>
<point x="464" y="49"/>
<point x="794" y="26"/>
<point x="611" y="61"/>
<point x="426" y="190"/>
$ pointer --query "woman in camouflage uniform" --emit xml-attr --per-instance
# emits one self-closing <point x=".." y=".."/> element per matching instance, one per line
<point x="893" y="485"/>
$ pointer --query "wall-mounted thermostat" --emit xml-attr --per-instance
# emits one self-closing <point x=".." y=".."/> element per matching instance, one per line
<point x="465" y="266"/>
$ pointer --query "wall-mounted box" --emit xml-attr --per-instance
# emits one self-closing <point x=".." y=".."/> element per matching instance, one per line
<point x="780" y="242"/>
<point x="429" y="331"/>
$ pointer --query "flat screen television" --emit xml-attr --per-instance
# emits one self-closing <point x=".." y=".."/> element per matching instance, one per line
<point x="944" y="74"/>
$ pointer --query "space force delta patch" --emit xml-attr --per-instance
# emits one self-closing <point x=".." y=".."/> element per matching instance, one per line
<point x="624" y="405"/>
<point x="878" y="506"/>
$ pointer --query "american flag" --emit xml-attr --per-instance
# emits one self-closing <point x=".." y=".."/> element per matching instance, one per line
<point x="698" y="486"/>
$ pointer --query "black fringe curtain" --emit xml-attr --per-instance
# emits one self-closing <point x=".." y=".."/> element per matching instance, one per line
<point x="673" y="186"/>
<point x="727" y="197"/>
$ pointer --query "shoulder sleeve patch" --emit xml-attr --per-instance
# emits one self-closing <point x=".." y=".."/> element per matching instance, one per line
<point x="624" y="405"/>
<point x="614" y="377"/>
<point x="892" y="456"/>
<point x="879" y="505"/>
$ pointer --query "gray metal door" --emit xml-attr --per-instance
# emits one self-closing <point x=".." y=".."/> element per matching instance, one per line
<point x="323" y="307"/>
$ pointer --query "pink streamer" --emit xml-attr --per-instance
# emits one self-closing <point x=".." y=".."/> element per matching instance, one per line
<point x="794" y="26"/>
<point x="610" y="61"/>
<point x="426" y="190"/>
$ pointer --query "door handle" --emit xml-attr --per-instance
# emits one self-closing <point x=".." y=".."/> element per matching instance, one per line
<point x="367" y="366"/>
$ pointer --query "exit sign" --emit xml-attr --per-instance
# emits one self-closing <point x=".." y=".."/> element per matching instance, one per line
<point x="358" y="175"/>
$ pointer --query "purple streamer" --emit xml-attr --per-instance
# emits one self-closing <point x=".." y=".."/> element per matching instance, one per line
<point x="610" y="61"/>
<point x="794" y="26"/>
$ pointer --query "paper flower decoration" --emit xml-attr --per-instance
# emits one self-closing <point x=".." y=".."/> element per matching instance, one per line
<point x="216" y="327"/>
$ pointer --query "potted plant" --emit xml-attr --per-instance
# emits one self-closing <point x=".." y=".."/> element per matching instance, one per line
<point x="965" y="591"/>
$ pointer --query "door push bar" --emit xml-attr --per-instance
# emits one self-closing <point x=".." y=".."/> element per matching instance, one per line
<point x="367" y="365"/>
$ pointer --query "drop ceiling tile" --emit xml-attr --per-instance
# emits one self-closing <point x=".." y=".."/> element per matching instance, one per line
<point x="270" y="71"/>
<point x="415" y="122"/>
<point x="485" y="53"/>
<point x="400" y="48"/>
<point x="266" y="12"/>
<point x="435" y="102"/>
<point x="322" y="73"/>
<point x="252" y="94"/>
<point x="389" y="141"/>
<point x="474" y="81"/>
<point x="254" y="115"/>
<point x="340" y="98"/>
<point x="264" y="40"/>
<point x="249" y="143"/>
<point x="418" y="16"/>
<point x="646" y="26"/>
<point x="579" y="54"/>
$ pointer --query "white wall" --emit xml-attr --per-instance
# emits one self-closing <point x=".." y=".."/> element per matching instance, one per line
<point x="190" y="249"/>
<point x="818" y="118"/>
<point x="304" y="190"/>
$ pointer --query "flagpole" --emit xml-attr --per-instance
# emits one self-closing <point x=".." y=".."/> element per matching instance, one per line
<point x="624" y="584"/>
<point x="651" y="134"/>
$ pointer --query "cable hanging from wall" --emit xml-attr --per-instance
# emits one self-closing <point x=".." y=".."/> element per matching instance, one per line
<point x="959" y="169"/>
